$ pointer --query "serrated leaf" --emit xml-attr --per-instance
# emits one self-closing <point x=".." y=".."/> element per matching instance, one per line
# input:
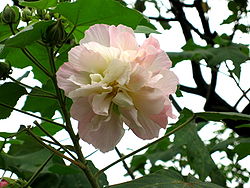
<point x="89" y="12"/>
<point x="40" y="4"/>
<point x="166" y="178"/>
<point x="198" y="155"/>
<point x="9" y="95"/>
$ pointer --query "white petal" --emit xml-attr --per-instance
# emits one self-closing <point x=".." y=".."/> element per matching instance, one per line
<point x="97" y="33"/>
<point x="101" y="103"/>
<point x="123" y="100"/>
<point x="90" y="89"/>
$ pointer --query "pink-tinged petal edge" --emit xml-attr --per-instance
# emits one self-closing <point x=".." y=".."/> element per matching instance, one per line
<point x="97" y="33"/>
<point x="107" y="136"/>
<point x="62" y="75"/>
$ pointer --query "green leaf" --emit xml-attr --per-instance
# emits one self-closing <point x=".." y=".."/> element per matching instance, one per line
<point x="166" y="178"/>
<point x="9" y="95"/>
<point x="40" y="4"/>
<point x="6" y="135"/>
<point x="218" y="116"/>
<point x="63" y="169"/>
<point x="28" y="35"/>
<point x="4" y="32"/>
<point x="19" y="60"/>
<point x="138" y="162"/>
<point x="50" y="128"/>
<point x="46" y="107"/>
<point x="145" y="29"/>
<point x="242" y="150"/>
<point x="230" y="19"/>
<point x="89" y="12"/>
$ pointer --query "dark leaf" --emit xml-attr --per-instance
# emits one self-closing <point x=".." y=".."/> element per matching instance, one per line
<point x="166" y="178"/>
<point x="9" y="95"/>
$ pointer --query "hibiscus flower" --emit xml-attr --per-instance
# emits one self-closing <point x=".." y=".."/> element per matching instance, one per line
<point x="112" y="80"/>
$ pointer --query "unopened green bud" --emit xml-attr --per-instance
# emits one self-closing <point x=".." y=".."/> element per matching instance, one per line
<point x="54" y="34"/>
<point x="8" y="15"/>
<point x="5" y="70"/>
<point x="40" y="13"/>
<point x="47" y="16"/>
<point x="26" y="14"/>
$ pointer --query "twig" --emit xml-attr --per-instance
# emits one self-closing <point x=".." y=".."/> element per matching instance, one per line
<point x="27" y="113"/>
<point x="130" y="173"/>
<point x="146" y="146"/>
<point x="81" y="165"/>
<point x="237" y="83"/>
<point x="52" y="138"/>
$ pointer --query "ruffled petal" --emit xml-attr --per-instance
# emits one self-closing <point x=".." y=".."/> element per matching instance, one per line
<point x="83" y="59"/>
<point x="117" y="71"/>
<point x="166" y="81"/>
<point x="148" y="100"/>
<point x="123" y="100"/>
<point x="62" y="76"/>
<point x="101" y="103"/>
<point x="108" y="134"/>
<point x="122" y="37"/>
<point x="162" y="119"/>
<point x="90" y="89"/>
<point x="82" y="110"/>
<point x="97" y="33"/>
<point x="148" y="129"/>
<point x="138" y="78"/>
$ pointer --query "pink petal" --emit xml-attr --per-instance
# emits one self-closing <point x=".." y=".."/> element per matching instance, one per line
<point x="97" y="33"/>
<point x="107" y="136"/>
<point x="162" y="119"/>
<point x="149" y="128"/>
<point x="62" y="76"/>
<point x="168" y="83"/>
<point x="148" y="100"/>
<point x="81" y="110"/>
<point x="138" y="78"/>
<point x="129" y="116"/>
<point x="86" y="60"/>
<point x="151" y="41"/>
<point x="122" y="37"/>
<point x="101" y="103"/>
<point x="152" y="57"/>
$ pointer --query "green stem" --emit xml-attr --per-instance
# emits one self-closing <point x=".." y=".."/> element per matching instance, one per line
<point x="33" y="88"/>
<point x="82" y="166"/>
<point x="146" y="146"/>
<point x="27" y="113"/>
<point x="66" y="116"/>
<point x="52" y="138"/>
<point x="35" y="61"/>
<point x="34" y="176"/>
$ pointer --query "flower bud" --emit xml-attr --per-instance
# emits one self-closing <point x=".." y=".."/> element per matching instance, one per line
<point x="26" y="14"/>
<point x="5" y="70"/>
<point x="40" y="13"/>
<point x="47" y="16"/>
<point x="54" y="34"/>
<point x="8" y="15"/>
